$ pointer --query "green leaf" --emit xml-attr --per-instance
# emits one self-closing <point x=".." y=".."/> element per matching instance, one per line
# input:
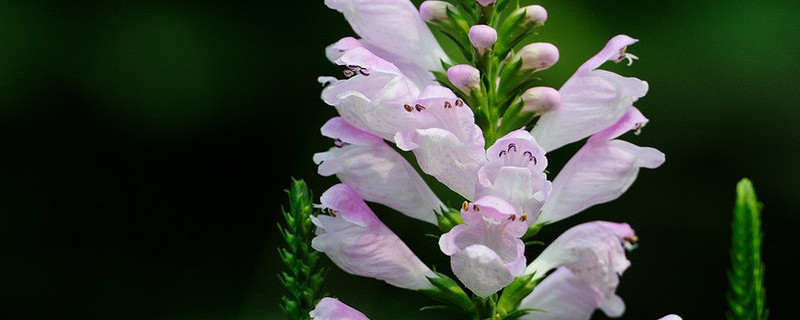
<point x="746" y="295"/>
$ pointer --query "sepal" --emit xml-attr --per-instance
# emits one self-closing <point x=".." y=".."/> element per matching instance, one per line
<point x="513" y="294"/>
<point x="448" y="220"/>
<point x="534" y="229"/>
<point x="447" y="291"/>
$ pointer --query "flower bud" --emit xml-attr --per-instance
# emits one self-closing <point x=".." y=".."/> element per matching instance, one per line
<point x="534" y="13"/>
<point x="486" y="2"/>
<point x="482" y="36"/>
<point x="465" y="77"/>
<point x="540" y="100"/>
<point x="538" y="56"/>
<point x="430" y="11"/>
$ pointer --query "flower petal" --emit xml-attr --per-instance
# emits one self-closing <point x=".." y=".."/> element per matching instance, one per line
<point x="360" y="244"/>
<point x="373" y="98"/>
<point x="393" y="30"/>
<point x="481" y="270"/>
<point x="445" y="139"/>
<point x="376" y="172"/>
<point x="562" y="296"/>
<point x="333" y="309"/>
<point x="600" y="171"/>
<point x="594" y="251"/>
<point x="335" y="51"/>
<point x="485" y="251"/>
<point x="591" y="100"/>
<point x="524" y="190"/>
<point x="514" y="172"/>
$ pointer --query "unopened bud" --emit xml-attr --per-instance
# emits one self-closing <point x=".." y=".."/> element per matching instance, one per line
<point x="465" y="77"/>
<point x="534" y="13"/>
<point x="538" y="56"/>
<point x="430" y="11"/>
<point x="540" y="100"/>
<point x="482" y="36"/>
<point x="486" y="2"/>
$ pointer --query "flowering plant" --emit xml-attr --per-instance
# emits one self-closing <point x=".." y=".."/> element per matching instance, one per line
<point x="477" y="121"/>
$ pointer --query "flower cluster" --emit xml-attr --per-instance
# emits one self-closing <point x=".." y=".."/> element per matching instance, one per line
<point x="478" y="123"/>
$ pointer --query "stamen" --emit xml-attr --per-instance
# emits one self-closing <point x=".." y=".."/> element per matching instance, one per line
<point x="419" y="107"/>
<point x="523" y="217"/>
<point x="512" y="218"/>
<point x="330" y="212"/>
<point x="363" y="72"/>
<point x="408" y="107"/>
<point x="447" y="105"/>
<point x="630" y="58"/>
<point x="475" y="208"/>
<point x="637" y="127"/>
<point x="348" y="73"/>
<point x="512" y="146"/>
<point x="465" y="206"/>
<point x="502" y="153"/>
<point x="459" y="103"/>
<point x="339" y="143"/>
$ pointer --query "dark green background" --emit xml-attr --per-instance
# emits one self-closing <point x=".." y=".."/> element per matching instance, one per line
<point x="146" y="146"/>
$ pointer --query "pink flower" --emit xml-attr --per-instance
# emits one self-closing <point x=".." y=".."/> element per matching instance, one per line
<point x="515" y="172"/>
<point x="591" y="100"/>
<point x="376" y="171"/>
<point x="594" y="252"/>
<point x="602" y="170"/>
<point x="486" y="252"/>
<point x="358" y="243"/>
<point x="445" y="139"/>
<point x="333" y="309"/>
<point x="373" y="96"/>
<point x="394" y="31"/>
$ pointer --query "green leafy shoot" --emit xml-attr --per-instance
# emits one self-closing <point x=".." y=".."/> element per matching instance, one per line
<point x="303" y="275"/>
<point x="746" y="296"/>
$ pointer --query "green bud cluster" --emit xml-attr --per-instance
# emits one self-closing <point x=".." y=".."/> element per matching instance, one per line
<point x="496" y="104"/>
<point x="304" y="276"/>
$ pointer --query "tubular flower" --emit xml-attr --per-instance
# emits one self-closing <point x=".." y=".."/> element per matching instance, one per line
<point x="595" y="252"/>
<point x="358" y="243"/>
<point x="394" y="30"/>
<point x="486" y="252"/>
<point x="600" y="171"/>
<point x="562" y="295"/>
<point x="373" y="96"/>
<point x="515" y="172"/>
<point x="591" y="100"/>
<point x="376" y="171"/>
<point x="333" y="309"/>
<point x="446" y="141"/>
